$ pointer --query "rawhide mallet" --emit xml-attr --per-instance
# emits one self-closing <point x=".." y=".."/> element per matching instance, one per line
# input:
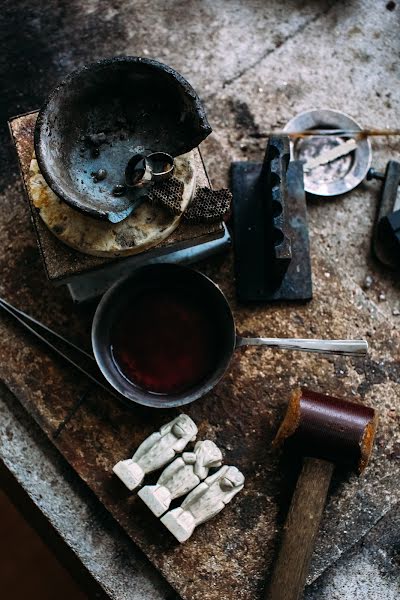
<point x="326" y="431"/>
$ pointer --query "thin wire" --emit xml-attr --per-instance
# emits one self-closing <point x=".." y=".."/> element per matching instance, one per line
<point x="357" y="133"/>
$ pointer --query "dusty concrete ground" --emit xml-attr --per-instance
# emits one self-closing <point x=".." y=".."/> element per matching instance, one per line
<point x="256" y="65"/>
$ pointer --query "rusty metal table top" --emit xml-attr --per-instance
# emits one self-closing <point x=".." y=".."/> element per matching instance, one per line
<point x="265" y="46"/>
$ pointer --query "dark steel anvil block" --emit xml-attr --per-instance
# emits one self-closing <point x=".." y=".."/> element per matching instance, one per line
<point x="270" y="227"/>
<point x="273" y="194"/>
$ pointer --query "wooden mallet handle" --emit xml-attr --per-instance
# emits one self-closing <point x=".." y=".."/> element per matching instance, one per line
<point x="300" y="530"/>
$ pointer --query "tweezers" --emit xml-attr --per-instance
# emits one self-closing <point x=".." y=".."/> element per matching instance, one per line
<point x="80" y="359"/>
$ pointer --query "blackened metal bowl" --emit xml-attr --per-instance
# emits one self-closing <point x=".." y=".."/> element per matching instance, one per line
<point x="102" y="114"/>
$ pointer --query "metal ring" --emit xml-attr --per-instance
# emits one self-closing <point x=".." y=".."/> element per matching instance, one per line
<point x="138" y="172"/>
<point x="161" y="164"/>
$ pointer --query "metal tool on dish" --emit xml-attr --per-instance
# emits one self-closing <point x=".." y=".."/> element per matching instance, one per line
<point x="330" y="155"/>
<point x="332" y="129"/>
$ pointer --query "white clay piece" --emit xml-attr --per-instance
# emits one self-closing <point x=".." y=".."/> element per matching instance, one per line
<point x="181" y="476"/>
<point x="156" y="451"/>
<point x="204" y="502"/>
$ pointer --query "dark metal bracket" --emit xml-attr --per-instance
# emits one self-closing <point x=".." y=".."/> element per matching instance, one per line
<point x="386" y="237"/>
<point x="272" y="254"/>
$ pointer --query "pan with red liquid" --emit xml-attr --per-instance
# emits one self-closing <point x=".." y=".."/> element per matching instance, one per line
<point x="165" y="336"/>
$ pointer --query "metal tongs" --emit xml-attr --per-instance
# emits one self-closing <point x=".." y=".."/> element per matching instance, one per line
<point x="82" y="360"/>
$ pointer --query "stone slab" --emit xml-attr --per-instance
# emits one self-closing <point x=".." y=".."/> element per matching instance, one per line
<point x="369" y="570"/>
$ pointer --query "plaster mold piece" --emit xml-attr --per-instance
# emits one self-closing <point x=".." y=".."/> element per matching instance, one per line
<point x="181" y="476"/>
<point x="156" y="451"/>
<point x="204" y="502"/>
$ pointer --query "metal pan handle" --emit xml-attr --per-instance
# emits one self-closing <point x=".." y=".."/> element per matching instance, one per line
<point x="343" y="347"/>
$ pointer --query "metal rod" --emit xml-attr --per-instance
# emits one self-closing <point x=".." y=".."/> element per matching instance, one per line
<point x="343" y="347"/>
<point x="358" y="133"/>
<point x="30" y="321"/>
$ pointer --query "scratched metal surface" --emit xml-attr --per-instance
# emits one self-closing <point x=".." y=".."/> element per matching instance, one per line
<point x="227" y="558"/>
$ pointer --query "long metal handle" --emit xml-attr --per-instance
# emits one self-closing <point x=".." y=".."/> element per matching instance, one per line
<point x="360" y="133"/>
<point x="344" y="347"/>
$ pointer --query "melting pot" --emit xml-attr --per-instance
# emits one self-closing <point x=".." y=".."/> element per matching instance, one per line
<point x="165" y="336"/>
<point x="101" y="115"/>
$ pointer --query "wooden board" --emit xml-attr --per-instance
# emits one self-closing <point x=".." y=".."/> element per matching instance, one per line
<point x="228" y="558"/>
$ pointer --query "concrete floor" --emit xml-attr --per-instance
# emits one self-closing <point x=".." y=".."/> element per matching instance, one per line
<point x="256" y="65"/>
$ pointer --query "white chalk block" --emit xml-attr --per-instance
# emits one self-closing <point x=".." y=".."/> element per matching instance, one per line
<point x="204" y="502"/>
<point x="130" y="473"/>
<point x="156" y="497"/>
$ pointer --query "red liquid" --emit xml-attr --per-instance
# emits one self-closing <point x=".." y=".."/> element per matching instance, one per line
<point x="165" y="341"/>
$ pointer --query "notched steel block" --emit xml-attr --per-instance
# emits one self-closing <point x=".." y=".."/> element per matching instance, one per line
<point x="271" y="250"/>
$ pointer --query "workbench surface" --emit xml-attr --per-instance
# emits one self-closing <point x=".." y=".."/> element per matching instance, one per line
<point x="255" y="67"/>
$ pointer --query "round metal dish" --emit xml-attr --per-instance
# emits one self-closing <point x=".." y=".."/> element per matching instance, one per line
<point x="101" y="115"/>
<point x="344" y="173"/>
